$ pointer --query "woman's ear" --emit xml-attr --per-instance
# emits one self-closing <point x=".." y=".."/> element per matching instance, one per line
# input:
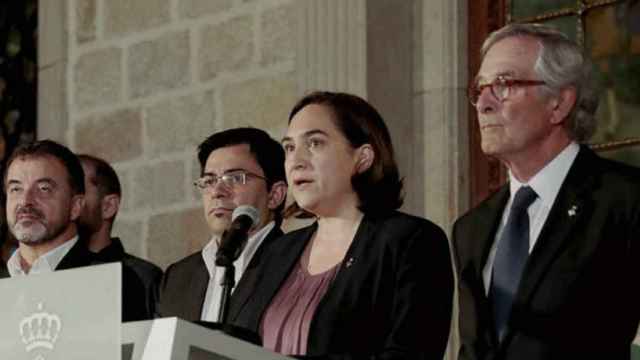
<point x="365" y="155"/>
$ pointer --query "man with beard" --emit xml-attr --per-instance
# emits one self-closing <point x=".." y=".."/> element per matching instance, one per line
<point x="44" y="183"/>
<point x="102" y="202"/>
<point x="242" y="166"/>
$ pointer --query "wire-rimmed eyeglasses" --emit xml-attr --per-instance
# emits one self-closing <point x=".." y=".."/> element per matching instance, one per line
<point x="230" y="180"/>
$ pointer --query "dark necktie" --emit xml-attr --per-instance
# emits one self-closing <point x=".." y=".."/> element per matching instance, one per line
<point x="511" y="255"/>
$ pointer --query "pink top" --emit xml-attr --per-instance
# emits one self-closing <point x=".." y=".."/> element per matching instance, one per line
<point x="285" y="324"/>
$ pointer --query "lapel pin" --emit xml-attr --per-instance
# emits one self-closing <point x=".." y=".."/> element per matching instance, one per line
<point x="349" y="262"/>
<point x="573" y="211"/>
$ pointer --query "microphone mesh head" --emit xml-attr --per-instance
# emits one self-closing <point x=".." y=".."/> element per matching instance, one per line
<point x="247" y="210"/>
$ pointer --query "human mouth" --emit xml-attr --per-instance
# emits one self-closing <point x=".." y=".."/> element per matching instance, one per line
<point x="220" y="211"/>
<point x="300" y="183"/>
<point x="489" y="126"/>
<point x="28" y="214"/>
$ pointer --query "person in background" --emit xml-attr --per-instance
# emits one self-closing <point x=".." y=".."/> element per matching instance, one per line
<point x="364" y="280"/>
<point x="101" y="204"/>
<point x="546" y="265"/>
<point x="241" y="166"/>
<point x="44" y="183"/>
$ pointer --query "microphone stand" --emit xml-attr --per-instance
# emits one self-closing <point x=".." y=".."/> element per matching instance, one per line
<point x="225" y="259"/>
<point x="228" y="282"/>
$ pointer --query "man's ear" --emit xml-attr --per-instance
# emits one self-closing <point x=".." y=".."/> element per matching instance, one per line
<point x="77" y="206"/>
<point x="110" y="205"/>
<point x="563" y="104"/>
<point x="277" y="194"/>
<point x="365" y="158"/>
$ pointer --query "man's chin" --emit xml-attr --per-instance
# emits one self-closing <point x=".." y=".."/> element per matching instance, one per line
<point x="218" y="227"/>
<point x="31" y="239"/>
<point x="30" y="235"/>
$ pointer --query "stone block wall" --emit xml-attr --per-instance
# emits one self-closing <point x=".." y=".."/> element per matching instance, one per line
<point x="147" y="80"/>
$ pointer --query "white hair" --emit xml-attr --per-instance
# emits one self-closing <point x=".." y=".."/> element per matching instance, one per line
<point x="560" y="64"/>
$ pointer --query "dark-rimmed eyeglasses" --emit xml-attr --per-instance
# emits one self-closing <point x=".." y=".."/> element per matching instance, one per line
<point x="500" y="88"/>
<point x="230" y="180"/>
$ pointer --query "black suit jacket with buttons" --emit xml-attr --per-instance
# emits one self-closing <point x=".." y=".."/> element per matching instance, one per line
<point x="390" y="299"/>
<point x="578" y="296"/>
<point x="184" y="284"/>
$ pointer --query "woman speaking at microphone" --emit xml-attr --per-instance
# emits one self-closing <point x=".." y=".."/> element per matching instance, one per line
<point x="364" y="281"/>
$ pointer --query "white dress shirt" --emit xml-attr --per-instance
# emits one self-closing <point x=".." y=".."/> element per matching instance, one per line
<point x="211" y="305"/>
<point x="546" y="183"/>
<point x="46" y="263"/>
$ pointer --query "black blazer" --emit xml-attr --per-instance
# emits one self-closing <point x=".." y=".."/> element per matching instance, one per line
<point x="133" y="305"/>
<point x="184" y="284"/>
<point x="148" y="273"/>
<point x="391" y="298"/>
<point x="578" y="295"/>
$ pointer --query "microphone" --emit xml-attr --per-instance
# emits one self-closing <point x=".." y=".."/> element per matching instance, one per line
<point x="234" y="239"/>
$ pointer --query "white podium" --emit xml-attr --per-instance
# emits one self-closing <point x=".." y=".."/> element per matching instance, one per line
<point x="177" y="339"/>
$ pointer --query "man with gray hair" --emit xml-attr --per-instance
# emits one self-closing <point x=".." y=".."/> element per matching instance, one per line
<point x="546" y="265"/>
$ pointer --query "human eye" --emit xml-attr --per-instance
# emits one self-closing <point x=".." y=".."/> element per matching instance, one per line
<point x="14" y="189"/>
<point x="236" y="178"/>
<point x="208" y="181"/>
<point x="288" y="147"/>
<point x="501" y="86"/>
<point x="45" y="188"/>
<point x="314" y="142"/>
<point x="205" y="182"/>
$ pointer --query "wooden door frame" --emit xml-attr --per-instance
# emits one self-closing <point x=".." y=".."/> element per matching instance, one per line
<point x="487" y="174"/>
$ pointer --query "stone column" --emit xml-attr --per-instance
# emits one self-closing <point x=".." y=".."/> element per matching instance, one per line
<point x="52" y="70"/>
<point x="332" y="45"/>
<point x="441" y="109"/>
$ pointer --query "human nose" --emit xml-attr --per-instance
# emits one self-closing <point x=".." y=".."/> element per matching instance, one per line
<point x="297" y="158"/>
<point x="28" y="196"/>
<point x="486" y="102"/>
<point x="219" y="189"/>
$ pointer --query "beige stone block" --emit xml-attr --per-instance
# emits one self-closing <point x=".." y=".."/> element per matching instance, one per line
<point x="226" y="47"/>
<point x="130" y="233"/>
<point x="197" y="8"/>
<point x="52" y="103"/>
<point x="195" y="174"/>
<point x="126" y="183"/>
<point x="116" y="136"/>
<point x="85" y="21"/>
<point x="175" y="124"/>
<point x="98" y="78"/>
<point x="160" y="184"/>
<point x="174" y="235"/>
<point x="279" y="29"/>
<point x="262" y="102"/>
<point x="159" y="64"/>
<point x="129" y="16"/>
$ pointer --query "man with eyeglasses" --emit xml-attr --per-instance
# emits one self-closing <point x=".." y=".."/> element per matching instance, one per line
<point x="546" y="265"/>
<point x="241" y="166"/>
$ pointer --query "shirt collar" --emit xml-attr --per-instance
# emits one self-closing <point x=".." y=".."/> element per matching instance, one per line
<point x="547" y="182"/>
<point x="210" y="250"/>
<point x="47" y="262"/>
